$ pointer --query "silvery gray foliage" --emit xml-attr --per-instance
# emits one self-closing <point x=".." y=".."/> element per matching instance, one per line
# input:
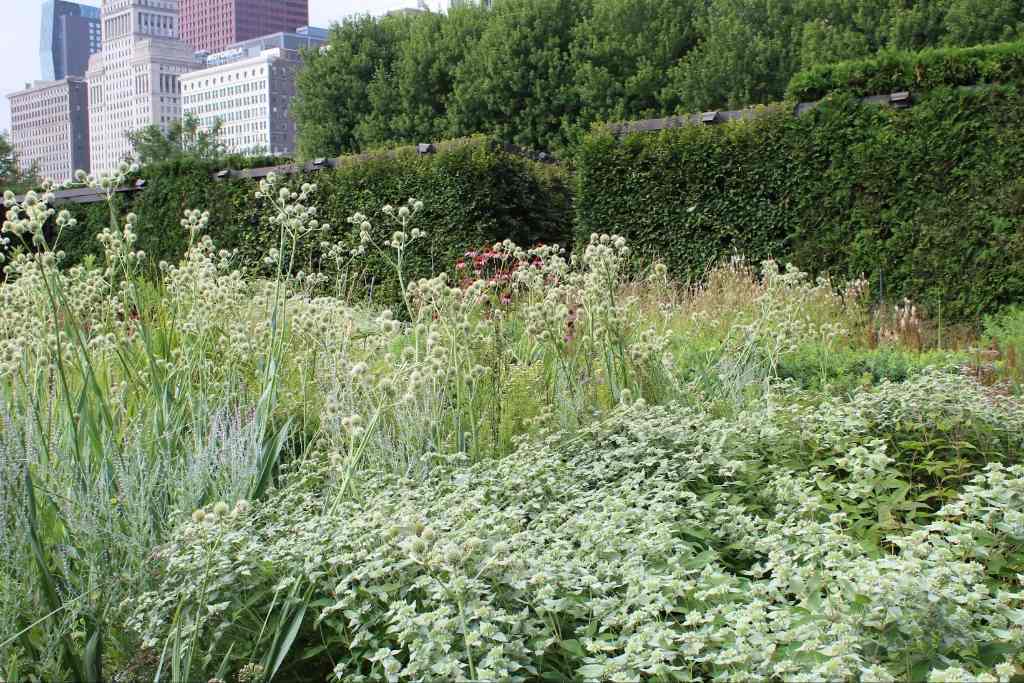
<point x="661" y="543"/>
<point x="228" y="458"/>
<point x="118" y="515"/>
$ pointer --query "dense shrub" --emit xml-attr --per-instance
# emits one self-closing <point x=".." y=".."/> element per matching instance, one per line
<point x="925" y="201"/>
<point x="893" y="71"/>
<point x="473" y="194"/>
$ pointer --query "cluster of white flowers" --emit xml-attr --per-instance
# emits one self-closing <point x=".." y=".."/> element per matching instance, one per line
<point x="292" y="213"/>
<point x="786" y="312"/>
<point x="663" y="542"/>
<point x="107" y="183"/>
<point x="30" y="333"/>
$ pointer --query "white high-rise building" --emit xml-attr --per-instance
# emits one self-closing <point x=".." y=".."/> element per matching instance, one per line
<point x="249" y="95"/>
<point x="50" y="127"/>
<point x="134" y="80"/>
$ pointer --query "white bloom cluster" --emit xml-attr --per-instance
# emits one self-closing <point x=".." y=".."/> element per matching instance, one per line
<point x="663" y="542"/>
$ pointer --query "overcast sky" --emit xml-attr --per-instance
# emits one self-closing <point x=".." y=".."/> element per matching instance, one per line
<point x="19" y="36"/>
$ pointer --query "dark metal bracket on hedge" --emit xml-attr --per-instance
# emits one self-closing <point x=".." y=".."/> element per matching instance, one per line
<point x="900" y="100"/>
<point x="89" y="196"/>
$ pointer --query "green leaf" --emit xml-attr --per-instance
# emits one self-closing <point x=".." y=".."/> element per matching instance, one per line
<point x="591" y="672"/>
<point x="573" y="647"/>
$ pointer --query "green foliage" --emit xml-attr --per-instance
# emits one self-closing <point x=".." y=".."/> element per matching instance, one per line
<point x="8" y="162"/>
<point x="411" y="100"/>
<point x="1005" y="333"/>
<point x="474" y="195"/>
<point x="689" y="197"/>
<point x="1007" y="328"/>
<point x="927" y="70"/>
<point x="522" y="57"/>
<point x="819" y="368"/>
<point x="183" y="139"/>
<point x="550" y="471"/>
<point x="925" y="202"/>
<point x="333" y="96"/>
<point x="662" y="542"/>
<point x="540" y="72"/>
<point x="748" y="49"/>
<point x="13" y="177"/>
<point x="621" y="54"/>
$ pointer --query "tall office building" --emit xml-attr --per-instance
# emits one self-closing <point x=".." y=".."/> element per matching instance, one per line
<point x="212" y="25"/>
<point x="134" y="81"/>
<point x="50" y="127"/>
<point x="248" y="88"/>
<point x="70" y="34"/>
<point x="250" y="97"/>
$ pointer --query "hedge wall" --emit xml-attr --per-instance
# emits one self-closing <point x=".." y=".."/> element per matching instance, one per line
<point x="927" y="201"/>
<point x="473" y="194"/>
<point x="895" y="71"/>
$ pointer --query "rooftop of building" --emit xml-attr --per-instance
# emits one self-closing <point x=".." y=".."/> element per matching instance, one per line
<point x="247" y="49"/>
<point x="75" y="8"/>
<point x="36" y="86"/>
<point x="262" y="57"/>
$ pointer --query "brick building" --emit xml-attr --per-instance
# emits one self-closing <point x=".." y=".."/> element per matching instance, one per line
<point x="212" y="25"/>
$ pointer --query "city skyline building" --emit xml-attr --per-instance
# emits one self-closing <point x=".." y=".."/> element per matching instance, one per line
<point x="50" y="127"/>
<point x="212" y="25"/>
<point x="303" y="38"/>
<point x="69" y="35"/>
<point x="251" y="98"/>
<point x="452" y="4"/>
<point x="134" y="81"/>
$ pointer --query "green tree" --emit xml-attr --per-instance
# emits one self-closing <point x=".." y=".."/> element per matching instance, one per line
<point x="12" y="176"/>
<point x="622" y="54"/>
<point x="411" y="103"/>
<point x="516" y="82"/>
<point x="836" y="30"/>
<point x="333" y="87"/>
<point x="538" y="72"/>
<point x="748" y="51"/>
<point x="184" y="138"/>
<point x="970" y="22"/>
<point x="917" y="25"/>
<point x="8" y="162"/>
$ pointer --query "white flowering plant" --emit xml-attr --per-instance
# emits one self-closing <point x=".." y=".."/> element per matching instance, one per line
<point x="660" y="543"/>
<point x="565" y="469"/>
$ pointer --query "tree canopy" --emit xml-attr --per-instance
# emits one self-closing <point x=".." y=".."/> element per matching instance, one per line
<point x="12" y="176"/>
<point x="540" y="72"/>
<point x="184" y="138"/>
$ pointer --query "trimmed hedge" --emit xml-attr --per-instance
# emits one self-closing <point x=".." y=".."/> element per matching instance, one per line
<point x="927" y="70"/>
<point x="473" y="194"/>
<point x="927" y="201"/>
